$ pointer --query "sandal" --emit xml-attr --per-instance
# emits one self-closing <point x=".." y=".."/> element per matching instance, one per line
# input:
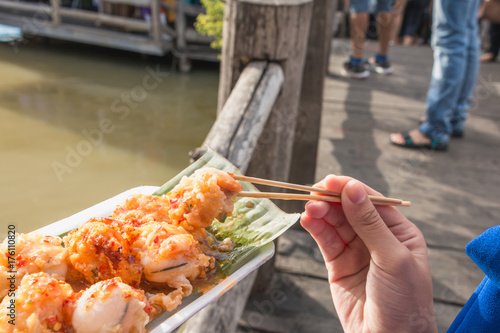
<point x="434" y="145"/>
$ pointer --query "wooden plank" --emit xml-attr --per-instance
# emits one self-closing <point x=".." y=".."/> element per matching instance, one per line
<point x="155" y="20"/>
<point x="28" y="7"/>
<point x="292" y="304"/>
<point x="230" y="117"/>
<point x="258" y="111"/>
<point x="297" y="304"/>
<point x="56" y="18"/>
<point x="92" y="36"/>
<point x="194" y="10"/>
<point x="138" y="3"/>
<point x="98" y="18"/>
<point x="193" y="36"/>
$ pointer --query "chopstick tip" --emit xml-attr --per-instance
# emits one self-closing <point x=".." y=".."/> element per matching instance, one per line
<point x="406" y="203"/>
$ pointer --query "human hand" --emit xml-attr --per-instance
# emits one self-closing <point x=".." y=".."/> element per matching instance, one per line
<point x="376" y="260"/>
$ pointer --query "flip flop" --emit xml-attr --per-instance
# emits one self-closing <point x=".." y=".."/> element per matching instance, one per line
<point x="434" y="145"/>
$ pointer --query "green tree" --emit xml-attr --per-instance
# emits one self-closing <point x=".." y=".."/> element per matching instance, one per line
<point x="211" y="23"/>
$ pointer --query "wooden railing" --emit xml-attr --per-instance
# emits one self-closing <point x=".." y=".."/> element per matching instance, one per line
<point x="105" y="27"/>
<point x="266" y="47"/>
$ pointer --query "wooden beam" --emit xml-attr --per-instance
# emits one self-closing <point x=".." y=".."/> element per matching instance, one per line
<point x="180" y="41"/>
<point x="89" y="35"/>
<point x="56" y="18"/>
<point x="194" y="10"/>
<point x="138" y="3"/>
<point x="194" y="36"/>
<point x="28" y="7"/>
<point x="245" y="139"/>
<point x="155" y="20"/>
<point x="305" y="146"/>
<point x="98" y="18"/>
<point x="229" y="119"/>
<point x="276" y="31"/>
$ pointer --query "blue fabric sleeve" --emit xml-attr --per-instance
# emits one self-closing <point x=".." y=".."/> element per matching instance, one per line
<point x="482" y="312"/>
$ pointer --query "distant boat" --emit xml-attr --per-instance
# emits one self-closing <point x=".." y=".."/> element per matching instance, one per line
<point x="10" y="34"/>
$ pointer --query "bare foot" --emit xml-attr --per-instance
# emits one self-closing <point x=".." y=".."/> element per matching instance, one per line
<point x="487" y="57"/>
<point x="417" y="137"/>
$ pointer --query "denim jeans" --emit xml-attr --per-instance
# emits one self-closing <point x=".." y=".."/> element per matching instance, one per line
<point x="364" y="6"/>
<point x="455" y="41"/>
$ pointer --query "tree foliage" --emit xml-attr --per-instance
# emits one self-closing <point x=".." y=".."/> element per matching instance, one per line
<point x="211" y="23"/>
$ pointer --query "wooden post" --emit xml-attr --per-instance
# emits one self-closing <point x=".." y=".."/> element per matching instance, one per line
<point x="234" y="135"/>
<point x="180" y="41"/>
<point x="305" y="147"/>
<point x="56" y="18"/>
<point x="155" y="20"/>
<point x="275" y="30"/>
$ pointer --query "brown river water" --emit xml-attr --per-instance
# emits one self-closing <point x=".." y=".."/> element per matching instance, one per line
<point x="80" y="124"/>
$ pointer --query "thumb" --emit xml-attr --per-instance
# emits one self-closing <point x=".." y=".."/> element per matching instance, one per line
<point x="366" y="221"/>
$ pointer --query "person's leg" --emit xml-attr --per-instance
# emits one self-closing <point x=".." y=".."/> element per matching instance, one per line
<point x="471" y="72"/>
<point x="415" y="16"/>
<point x="354" y="67"/>
<point x="450" y="42"/>
<point x="494" y="39"/>
<point x="380" y="62"/>
<point x="384" y="25"/>
<point x="397" y="20"/>
<point x="359" y="24"/>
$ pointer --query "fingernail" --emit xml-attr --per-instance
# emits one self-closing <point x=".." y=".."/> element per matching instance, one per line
<point x="355" y="191"/>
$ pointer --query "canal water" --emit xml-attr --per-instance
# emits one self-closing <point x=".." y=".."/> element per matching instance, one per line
<point x="80" y="124"/>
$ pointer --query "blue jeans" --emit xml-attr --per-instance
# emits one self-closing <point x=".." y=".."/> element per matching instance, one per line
<point x="363" y="6"/>
<point x="455" y="41"/>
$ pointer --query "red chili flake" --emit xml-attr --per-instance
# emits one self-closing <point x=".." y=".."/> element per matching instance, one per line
<point x="20" y="262"/>
<point x="52" y="320"/>
<point x="174" y="202"/>
<point x="148" y="309"/>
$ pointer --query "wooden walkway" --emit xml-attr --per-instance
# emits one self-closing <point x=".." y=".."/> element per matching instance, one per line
<point x="454" y="194"/>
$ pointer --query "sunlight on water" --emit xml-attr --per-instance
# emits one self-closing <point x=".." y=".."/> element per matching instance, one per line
<point x="80" y="124"/>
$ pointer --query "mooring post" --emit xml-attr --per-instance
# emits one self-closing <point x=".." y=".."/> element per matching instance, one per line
<point x="274" y="31"/>
<point x="277" y="31"/>
<point x="307" y="130"/>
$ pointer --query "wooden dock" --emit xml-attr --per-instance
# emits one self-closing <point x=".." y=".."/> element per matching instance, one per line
<point x="453" y="194"/>
<point x="140" y="26"/>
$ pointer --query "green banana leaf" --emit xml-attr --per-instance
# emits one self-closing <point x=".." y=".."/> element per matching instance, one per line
<point x="254" y="222"/>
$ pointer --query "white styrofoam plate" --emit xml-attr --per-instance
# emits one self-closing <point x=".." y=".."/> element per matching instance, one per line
<point x="168" y="321"/>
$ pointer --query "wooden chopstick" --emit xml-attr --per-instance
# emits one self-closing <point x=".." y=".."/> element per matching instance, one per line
<point x="283" y="184"/>
<point x="330" y="196"/>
